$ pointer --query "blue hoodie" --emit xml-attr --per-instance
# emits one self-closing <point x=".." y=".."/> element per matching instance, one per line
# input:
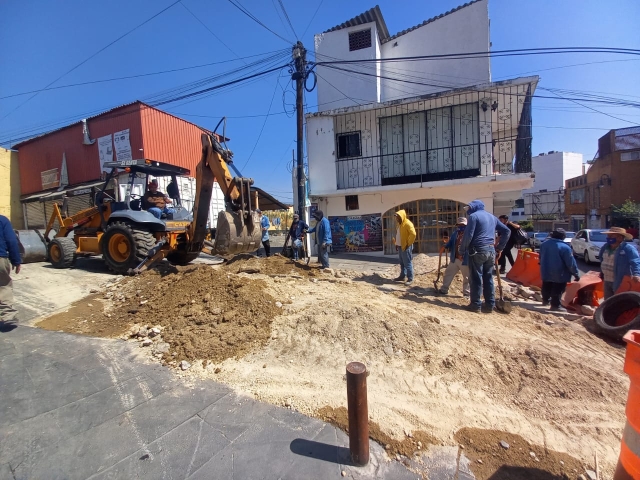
<point x="481" y="229"/>
<point x="264" y="223"/>
<point x="322" y="231"/>
<point x="9" y="242"/>
<point x="556" y="261"/>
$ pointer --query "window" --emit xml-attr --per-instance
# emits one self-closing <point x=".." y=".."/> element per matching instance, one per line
<point x="629" y="156"/>
<point x="349" y="145"/>
<point x="360" y="40"/>
<point x="520" y="203"/>
<point x="577" y="196"/>
<point x="351" y="202"/>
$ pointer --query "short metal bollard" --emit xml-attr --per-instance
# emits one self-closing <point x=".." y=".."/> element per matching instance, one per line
<point x="358" y="413"/>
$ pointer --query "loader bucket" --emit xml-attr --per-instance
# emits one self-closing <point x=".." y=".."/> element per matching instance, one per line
<point x="233" y="238"/>
<point x="32" y="245"/>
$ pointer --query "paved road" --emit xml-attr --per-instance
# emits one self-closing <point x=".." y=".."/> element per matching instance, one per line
<point x="74" y="407"/>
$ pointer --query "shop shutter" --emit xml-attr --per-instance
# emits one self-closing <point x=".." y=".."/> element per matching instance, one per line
<point x="78" y="203"/>
<point x="35" y="215"/>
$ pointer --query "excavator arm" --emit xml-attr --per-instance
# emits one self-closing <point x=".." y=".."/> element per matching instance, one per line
<point x="238" y="228"/>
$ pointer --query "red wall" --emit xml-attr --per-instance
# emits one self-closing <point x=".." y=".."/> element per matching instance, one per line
<point x="160" y="135"/>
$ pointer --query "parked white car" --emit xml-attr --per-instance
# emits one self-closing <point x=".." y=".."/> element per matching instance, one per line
<point x="537" y="238"/>
<point x="587" y="244"/>
<point x="567" y="239"/>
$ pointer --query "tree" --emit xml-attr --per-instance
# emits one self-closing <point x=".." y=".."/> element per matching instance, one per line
<point x="627" y="214"/>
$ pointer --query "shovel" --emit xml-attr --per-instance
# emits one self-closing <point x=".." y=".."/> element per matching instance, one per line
<point x="502" y="305"/>
<point x="435" y="282"/>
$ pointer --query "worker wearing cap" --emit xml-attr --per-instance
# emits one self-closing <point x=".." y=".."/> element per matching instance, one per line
<point x="296" y="233"/>
<point x="155" y="202"/>
<point x="323" y="237"/>
<point x="556" y="267"/>
<point x="618" y="259"/>
<point x="459" y="262"/>
<point x="9" y="260"/>
<point x="264" y="225"/>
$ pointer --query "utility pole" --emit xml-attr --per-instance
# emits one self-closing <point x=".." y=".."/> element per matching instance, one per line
<point x="299" y="75"/>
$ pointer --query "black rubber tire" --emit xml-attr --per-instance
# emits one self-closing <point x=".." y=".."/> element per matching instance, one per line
<point x="587" y="260"/>
<point x="611" y="309"/>
<point x="141" y="242"/>
<point x="180" y="257"/>
<point x="67" y="248"/>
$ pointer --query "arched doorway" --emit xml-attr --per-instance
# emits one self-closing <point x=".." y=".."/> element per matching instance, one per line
<point x="433" y="220"/>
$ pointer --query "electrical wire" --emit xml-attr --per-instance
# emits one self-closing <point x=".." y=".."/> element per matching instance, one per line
<point x="314" y="16"/>
<point x="238" y="5"/>
<point x="93" y="55"/>
<point x="208" y="29"/>
<point x="286" y="15"/>
<point x="263" y="125"/>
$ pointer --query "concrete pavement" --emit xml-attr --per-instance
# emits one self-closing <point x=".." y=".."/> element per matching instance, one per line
<point x="74" y="407"/>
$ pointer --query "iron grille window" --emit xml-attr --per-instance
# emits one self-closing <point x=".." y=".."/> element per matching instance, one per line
<point x="351" y="202"/>
<point x="360" y="40"/>
<point x="349" y="145"/>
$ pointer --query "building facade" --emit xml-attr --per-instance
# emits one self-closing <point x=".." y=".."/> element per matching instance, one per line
<point x="67" y="164"/>
<point x="544" y="202"/>
<point x="430" y="153"/>
<point x="611" y="179"/>
<point x="10" y="188"/>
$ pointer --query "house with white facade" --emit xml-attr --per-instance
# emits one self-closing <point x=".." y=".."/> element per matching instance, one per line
<point x="544" y="202"/>
<point x="425" y="135"/>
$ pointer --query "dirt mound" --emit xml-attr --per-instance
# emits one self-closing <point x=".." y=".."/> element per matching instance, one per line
<point x="275" y="265"/>
<point x="339" y="417"/>
<point x="515" y="459"/>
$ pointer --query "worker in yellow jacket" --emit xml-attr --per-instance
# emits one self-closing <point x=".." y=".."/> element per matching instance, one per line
<point x="405" y="236"/>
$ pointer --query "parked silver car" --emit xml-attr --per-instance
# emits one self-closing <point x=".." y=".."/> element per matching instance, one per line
<point x="587" y="244"/>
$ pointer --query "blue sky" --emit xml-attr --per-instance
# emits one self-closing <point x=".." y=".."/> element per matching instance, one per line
<point x="40" y="40"/>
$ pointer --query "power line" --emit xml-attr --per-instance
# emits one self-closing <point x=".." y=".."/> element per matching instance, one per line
<point x="93" y="55"/>
<point x="208" y="29"/>
<point x="140" y="75"/>
<point x="314" y="16"/>
<point x="286" y="15"/>
<point x="238" y="5"/>
<point x="263" y="125"/>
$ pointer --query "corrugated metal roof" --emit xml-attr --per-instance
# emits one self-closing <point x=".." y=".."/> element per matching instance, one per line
<point x="375" y="15"/>
<point x="110" y="111"/>
<point x="430" y="20"/>
<point x="372" y="15"/>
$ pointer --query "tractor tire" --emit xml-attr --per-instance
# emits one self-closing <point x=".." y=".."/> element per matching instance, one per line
<point x="62" y="252"/>
<point x="607" y="315"/>
<point x="125" y="247"/>
<point x="180" y="257"/>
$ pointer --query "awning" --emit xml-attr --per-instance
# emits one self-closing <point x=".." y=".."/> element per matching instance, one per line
<point x="267" y="202"/>
<point x="68" y="191"/>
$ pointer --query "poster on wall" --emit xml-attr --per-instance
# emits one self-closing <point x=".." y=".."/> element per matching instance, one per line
<point x="361" y="233"/>
<point x="105" y="153"/>
<point x="122" y="145"/>
<point x="50" y="178"/>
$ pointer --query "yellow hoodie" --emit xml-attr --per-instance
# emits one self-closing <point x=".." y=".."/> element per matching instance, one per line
<point x="407" y="231"/>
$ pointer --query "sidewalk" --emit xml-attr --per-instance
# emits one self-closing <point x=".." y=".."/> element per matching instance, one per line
<point x="74" y="407"/>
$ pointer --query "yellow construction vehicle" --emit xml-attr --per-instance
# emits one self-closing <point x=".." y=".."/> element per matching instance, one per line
<point x="131" y="239"/>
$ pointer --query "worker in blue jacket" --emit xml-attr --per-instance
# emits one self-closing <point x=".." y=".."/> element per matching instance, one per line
<point x="459" y="262"/>
<point x="264" y="225"/>
<point x="556" y="267"/>
<point x="478" y="242"/>
<point x="323" y="237"/>
<point x="618" y="259"/>
<point x="9" y="260"/>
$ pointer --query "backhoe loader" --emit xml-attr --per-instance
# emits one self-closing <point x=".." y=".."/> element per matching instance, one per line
<point x="131" y="239"/>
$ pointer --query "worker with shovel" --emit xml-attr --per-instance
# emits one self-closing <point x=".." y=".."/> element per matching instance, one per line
<point x="556" y="267"/>
<point x="459" y="262"/>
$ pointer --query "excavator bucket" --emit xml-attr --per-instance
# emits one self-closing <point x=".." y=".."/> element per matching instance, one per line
<point x="234" y="236"/>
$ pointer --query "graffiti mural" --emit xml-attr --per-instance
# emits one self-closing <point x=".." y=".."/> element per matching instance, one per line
<point x="359" y="233"/>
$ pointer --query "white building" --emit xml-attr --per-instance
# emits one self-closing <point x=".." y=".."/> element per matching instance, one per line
<point x="426" y="136"/>
<point x="545" y="200"/>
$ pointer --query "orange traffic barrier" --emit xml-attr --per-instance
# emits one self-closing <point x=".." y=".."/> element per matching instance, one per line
<point x="629" y="461"/>
<point x="526" y="270"/>
<point x="589" y="290"/>
<point x="628" y="285"/>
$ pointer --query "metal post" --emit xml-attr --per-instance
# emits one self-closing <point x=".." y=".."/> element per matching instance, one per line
<point x="300" y="58"/>
<point x="358" y="413"/>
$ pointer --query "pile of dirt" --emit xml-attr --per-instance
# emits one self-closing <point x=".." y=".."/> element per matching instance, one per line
<point x="339" y="417"/>
<point x="276" y="265"/>
<point x="499" y="455"/>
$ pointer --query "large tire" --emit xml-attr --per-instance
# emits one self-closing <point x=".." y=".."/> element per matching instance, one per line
<point x="125" y="247"/>
<point x="606" y="316"/>
<point x="62" y="252"/>
<point x="587" y="260"/>
<point x="180" y="257"/>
